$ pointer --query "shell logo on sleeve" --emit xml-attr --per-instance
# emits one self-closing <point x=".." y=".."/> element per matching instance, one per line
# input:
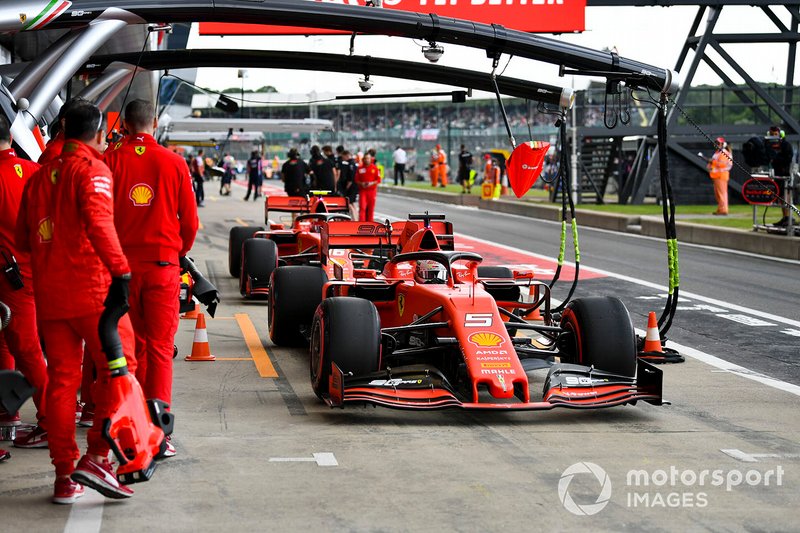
<point x="141" y="194"/>
<point x="45" y="230"/>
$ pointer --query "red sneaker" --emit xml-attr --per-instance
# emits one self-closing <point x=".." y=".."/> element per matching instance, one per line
<point x="170" y="450"/>
<point x="9" y="420"/>
<point x="67" y="491"/>
<point x="37" y="438"/>
<point x="101" y="478"/>
<point x="4" y="455"/>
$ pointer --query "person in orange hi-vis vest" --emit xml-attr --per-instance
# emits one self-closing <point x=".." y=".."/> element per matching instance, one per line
<point x="719" y="167"/>
<point x="441" y="167"/>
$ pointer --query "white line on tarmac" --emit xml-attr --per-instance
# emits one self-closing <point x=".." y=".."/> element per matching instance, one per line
<point x="733" y="368"/>
<point x="754" y="457"/>
<point x="86" y="515"/>
<point x="656" y="286"/>
<point x="613" y="232"/>
<point x="685" y="350"/>
<point x="322" y="459"/>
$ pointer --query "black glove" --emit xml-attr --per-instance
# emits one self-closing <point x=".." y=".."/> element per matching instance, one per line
<point x="118" y="292"/>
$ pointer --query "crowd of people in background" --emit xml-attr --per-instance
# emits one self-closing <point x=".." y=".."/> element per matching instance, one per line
<point x="341" y="172"/>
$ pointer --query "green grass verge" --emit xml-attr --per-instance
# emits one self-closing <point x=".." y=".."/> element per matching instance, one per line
<point x="740" y="216"/>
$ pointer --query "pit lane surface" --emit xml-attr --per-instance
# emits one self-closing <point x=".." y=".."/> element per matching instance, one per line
<point x="260" y="453"/>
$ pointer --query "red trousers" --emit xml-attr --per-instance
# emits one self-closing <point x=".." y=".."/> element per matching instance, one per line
<point x="154" y="313"/>
<point x="63" y="340"/>
<point x="366" y="204"/>
<point x="22" y="341"/>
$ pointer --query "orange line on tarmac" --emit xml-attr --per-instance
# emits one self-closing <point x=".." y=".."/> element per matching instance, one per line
<point x="241" y="222"/>
<point x="260" y="356"/>
<point x="234" y="358"/>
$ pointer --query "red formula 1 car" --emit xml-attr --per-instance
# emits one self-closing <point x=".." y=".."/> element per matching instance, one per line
<point x="348" y="250"/>
<point x="254" y="252"/>
<point x="436" y="330"/>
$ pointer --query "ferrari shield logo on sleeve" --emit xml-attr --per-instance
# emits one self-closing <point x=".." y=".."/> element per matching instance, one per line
<point x="401" y="303"/>
<point x="54" y="176"/>
<point x="18" y="169"/>
<point x="139" y="150"/>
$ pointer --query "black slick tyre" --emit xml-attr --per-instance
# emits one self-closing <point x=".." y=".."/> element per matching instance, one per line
<point x="294" y="294"/>
<point x="599" y="332"/>
<point x="236" y="238"/>
<point x="259" y="260"/>
<point x="345" y="331"/>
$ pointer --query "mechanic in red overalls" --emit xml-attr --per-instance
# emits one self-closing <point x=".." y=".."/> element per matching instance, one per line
<point x="367" y="180"/>
<point x="21" y="338"/>
<point x="84" y="414"/>
<point x="156" y="218"/>
<point x="66" y="221"/>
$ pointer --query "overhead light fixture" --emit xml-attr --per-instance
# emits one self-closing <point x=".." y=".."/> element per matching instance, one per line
<point x="432" y="52"/>
<point x="364" y="84"/>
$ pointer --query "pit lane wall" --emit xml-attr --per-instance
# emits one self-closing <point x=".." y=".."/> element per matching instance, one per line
<point x="651" y="226"/>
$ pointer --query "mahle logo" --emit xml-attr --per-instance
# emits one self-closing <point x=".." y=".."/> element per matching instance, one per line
<point x="586" y="509"/>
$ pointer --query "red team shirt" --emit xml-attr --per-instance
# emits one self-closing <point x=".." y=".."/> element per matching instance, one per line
<point x="151" y="184"/>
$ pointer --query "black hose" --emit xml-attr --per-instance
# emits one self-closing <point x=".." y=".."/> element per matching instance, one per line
<point x="668" y="211"/>
<point x="110" y="340"/>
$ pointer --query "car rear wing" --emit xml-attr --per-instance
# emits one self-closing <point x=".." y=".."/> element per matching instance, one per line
<point x="305" y="204"/>
<point x="340" y="234"/>
<point x="442" y="229"/>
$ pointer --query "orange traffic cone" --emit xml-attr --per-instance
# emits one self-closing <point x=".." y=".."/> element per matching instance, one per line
<point x="533" y="297"/>
<point x="652" y="342"/>
<point x="201" y="351"/>
<point x="194" y="313"/>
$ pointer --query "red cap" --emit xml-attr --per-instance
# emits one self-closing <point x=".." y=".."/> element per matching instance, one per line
<point x="721" y="140"/>
<point x="487" y="156"/>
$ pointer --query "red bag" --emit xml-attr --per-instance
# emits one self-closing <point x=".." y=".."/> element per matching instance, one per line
<point x="525" y="164"/>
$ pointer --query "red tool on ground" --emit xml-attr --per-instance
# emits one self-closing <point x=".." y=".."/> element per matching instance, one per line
<point x="137" y="428"/>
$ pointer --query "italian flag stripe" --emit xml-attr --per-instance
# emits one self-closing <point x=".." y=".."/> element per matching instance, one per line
<point x="52" y="10"/>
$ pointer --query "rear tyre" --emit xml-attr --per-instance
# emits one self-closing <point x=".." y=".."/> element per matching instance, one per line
<point x="599" y="332"/>
<point x="294" y="294"/>
<point x="259" y="260"/>
<point x="505" y="294"/>
<point x="236" y="238"/>
<point x="345" y="331"/>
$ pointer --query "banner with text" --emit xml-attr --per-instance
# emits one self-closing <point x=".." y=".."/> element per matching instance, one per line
<point x="535" y="16"/>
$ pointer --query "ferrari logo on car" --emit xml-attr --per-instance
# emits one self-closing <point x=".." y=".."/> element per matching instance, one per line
<point x="45" y="230"/>
<point x="485" y="339"/>
<point x="401" y="303"/>
<point x="18" y="169"/>
<point x="23" y="17"/>
<point x="141" y="194"/>
<point x="139" y="150"/>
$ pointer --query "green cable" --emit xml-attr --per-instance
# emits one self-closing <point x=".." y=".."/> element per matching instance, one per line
<point x="575" y="240"/>
<point x="563" y="240"/>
